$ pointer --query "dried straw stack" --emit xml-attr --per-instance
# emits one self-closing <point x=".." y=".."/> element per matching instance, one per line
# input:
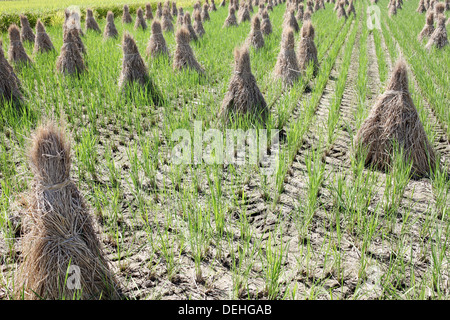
<point x="70" y="60"/>
<point x="166" y="21"/>
<point x="26" y="33"/>
<point x="244" y="14"/>
<point x="134" y="71"/>
<point x="126" y="16"/>
<point x="255" y="38"/>
<point x="439" y="37"/>
<point x="184" y="57"/>
<point x="428" y="29"/>
<point x="140" y="21"/>
<point x="110" y="27"/>
<point x="148" y="11"/>
<point x="231" y="20"/>
<point x="205" y="13"/>
<point x="42" y="43"/>
<point x="421" y="7"/>
<point x="307" y="53"/>
<point x="157" y="44"/>
<point x="16" y="51"/>
<point x="198" y="25"/>
<point x="9" y="83"/>
<point x="189" y="28"/>
<point x="394" y="121"/>
<point x="287" y="68"/>
<point x="174" y="9"/>
<point x="59" y="229"/>
<point x="290" y="21"/>
<point x="91" y="24"/>
<point x="266" y="25"/>
<point x="243" y="96"/>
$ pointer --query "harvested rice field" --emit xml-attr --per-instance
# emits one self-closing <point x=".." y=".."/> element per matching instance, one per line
<point x="231" y="150"/>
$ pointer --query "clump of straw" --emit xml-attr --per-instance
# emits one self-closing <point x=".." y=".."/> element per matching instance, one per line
<point x="60" y="231"/>
<point x="70" y="60"/>
<point x="157" y="44"/>
<point x="159" y="11"/>
<point x="243" y="96"/>
<point x="91" y="24"/>
<point x="42" y="43"/>
<point x="439" y="37"/>
<point x="26" y="33"/>
<point x="126" y="16"/>
<point x="255" y="38"/>
<point x="287" y="68"/>
<point x="148" y="11"/>
<point x="205" y="13"/>
<point x="140" y="21"/>
<point x="428" y="29"/>
<point x="244" y="14"/>
<point x="135" y="72"/>
<point x="180" y="18"/>
<point x="300" y="13"/>
<point x="9" y="82"/>
<point x="394" y="121"/>
<point x="198" y="25"/>
<point x="266" y="25"/>
<point x="166" y="21"/>
<point x="189" y="28"/>
<point x="307" y="53"/>
<point x="184" y="56"/>
<point x="174" y="9"/>
<point x="231" y="20"/>
<point x="110" y="27"/>
<point x="290" y="21"/>
<point x="16" y="51"/>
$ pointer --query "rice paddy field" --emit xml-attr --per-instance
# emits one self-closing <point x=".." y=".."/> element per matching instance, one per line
<point x="324" y="225"/>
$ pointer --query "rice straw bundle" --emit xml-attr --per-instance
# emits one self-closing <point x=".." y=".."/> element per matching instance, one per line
<point x="290" y="21"/>
<point x="70" y="60"/>
<point x="184" y="56"/>
<point x="134" y="71"/>
<point x="266" y="25"/>
<point x="110" y="27"/>
<point x="205" y="13"/>
<point x="439" y="37"/>
<point x="392" y="121"/>
<point x="231" y="19"/>
<point x="91" y="24"/>
<point x="157" y="44"/>
<point x="428" y="29"/>
<point x="140" y="21"/>
<point x="166" y="21"/>
<point x="189" y="28"/>
<point x="148" y="12"/>
<point x="255" y="38"/>
<point x="16" y="51"/>
<point x="198" y="25"/>
<point x="307" y="53"/>
<point x="243" y="96"/>
<point x="9" y="82"/>
<point x="26" y="33"/>
<point x="287" y="68"/>
<point x="60" y="231"/>
<point x="42" y="43"/>
<point x="126" y="16"/>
